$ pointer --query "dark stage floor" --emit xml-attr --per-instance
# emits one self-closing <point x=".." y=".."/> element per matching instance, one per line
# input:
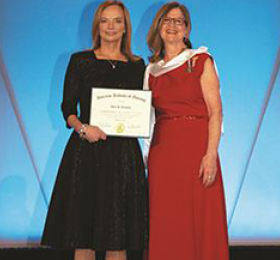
<point x="236" y="253"/>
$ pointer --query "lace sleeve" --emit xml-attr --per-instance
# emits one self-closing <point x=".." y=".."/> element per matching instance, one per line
<point x="70" y="90"/>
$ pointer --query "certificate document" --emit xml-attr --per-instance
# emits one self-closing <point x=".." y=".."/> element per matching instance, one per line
<point x="120" y="112"/>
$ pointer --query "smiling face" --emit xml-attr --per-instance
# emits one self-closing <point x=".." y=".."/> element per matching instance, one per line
<point x="173" y="27"/>
<point x="112" y="24"/>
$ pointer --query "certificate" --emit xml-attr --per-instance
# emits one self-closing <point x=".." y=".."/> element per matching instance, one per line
<point x="120" y="112"/>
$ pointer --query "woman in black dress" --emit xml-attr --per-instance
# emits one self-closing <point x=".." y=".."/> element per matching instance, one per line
<point x="99" y="202"/>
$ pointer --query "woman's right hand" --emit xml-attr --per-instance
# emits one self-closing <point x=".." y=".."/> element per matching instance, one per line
<point x="93" y="134"/>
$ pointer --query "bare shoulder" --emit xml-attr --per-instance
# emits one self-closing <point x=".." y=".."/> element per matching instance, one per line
<point x="209" y="77"/>
<point x="209" y="68"/>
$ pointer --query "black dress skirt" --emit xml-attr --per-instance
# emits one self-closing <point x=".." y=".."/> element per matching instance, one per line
<point x="100" y="197"/>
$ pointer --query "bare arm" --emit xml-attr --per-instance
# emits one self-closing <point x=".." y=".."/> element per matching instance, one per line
<point x="211" y="94"/>
<point x="74" y="122"/>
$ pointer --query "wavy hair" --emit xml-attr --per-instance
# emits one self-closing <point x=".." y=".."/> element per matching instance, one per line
<point x="154" y="40"/>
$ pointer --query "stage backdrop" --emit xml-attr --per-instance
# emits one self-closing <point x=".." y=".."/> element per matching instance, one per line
<point x="37" y="38"/>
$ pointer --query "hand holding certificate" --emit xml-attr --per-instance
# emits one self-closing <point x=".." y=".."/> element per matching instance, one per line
<point x="121" y="112"/>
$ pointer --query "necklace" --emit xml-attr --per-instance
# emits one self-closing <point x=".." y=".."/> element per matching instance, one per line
<point x="112" y="64"/>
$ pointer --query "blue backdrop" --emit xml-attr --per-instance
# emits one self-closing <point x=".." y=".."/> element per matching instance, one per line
<point x="37" y="38"/>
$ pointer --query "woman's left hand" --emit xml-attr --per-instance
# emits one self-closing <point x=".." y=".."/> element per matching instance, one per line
<point x="208" y="170"/>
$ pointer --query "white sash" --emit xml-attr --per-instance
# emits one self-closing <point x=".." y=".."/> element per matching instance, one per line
<point x="162" y="67"/>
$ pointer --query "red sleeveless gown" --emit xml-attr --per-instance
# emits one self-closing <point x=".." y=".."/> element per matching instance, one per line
<point x="187" y="220"/>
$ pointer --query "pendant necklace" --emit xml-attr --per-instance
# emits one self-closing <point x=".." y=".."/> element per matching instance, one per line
<point x="112" y="64"/>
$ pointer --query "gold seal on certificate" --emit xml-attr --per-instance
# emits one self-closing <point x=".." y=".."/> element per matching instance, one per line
<point x="120" y="112"/>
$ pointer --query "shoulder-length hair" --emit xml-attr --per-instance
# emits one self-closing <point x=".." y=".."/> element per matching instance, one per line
<point x="154" y="40"/>
<point x="126" y="40"/>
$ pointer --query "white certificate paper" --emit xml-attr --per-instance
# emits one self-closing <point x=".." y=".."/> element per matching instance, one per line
<point x="120" y="112"/>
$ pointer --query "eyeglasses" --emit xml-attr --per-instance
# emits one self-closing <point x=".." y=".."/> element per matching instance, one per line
<point x="176" y="21"/>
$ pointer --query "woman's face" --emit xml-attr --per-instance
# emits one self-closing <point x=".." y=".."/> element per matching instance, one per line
<point x="112" y="24"/>
<point x="173" y="27"/>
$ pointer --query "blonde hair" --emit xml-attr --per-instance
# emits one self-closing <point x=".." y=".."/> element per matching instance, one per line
<point x="126" y="40"/>
<point x="154" y="40"/>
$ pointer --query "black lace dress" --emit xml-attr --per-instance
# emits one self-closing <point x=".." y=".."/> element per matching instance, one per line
<point x="100" y="198"/>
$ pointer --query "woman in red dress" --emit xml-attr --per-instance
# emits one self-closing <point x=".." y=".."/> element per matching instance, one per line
<point x="187" y="207"/>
